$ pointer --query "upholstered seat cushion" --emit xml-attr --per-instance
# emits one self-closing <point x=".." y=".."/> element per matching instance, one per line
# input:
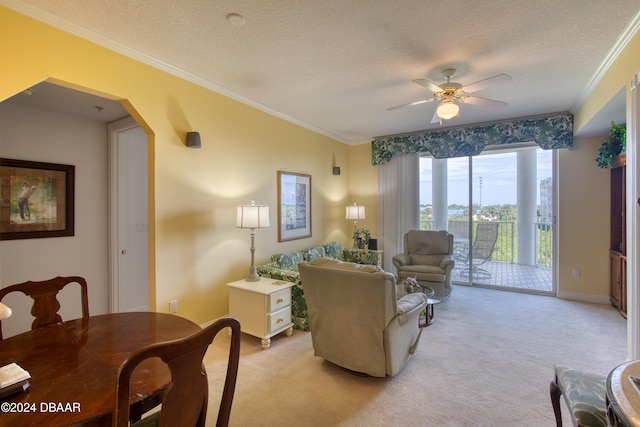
<point x="431" y="273"/>
<point x="313" y="253"/>
<point x="288" y="260"/>
<point x="333" y="250"/>
<point x="152" y="420"/>
<point x="585" y="394"/>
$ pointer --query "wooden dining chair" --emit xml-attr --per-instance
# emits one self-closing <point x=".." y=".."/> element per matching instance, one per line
<point x="184" y="399"/>
<point x="45" y="302"/>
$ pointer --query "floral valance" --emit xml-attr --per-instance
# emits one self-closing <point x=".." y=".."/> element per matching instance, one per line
<point x="548" y="132"/>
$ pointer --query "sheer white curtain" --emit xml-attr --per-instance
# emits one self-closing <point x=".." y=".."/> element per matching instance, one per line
<point x="398" y="204"/>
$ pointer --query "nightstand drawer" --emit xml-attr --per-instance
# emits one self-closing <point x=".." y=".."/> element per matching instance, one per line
<point x="278" y="300"/>
<point x="279" y="319"/>
<point x="263" y="307"/>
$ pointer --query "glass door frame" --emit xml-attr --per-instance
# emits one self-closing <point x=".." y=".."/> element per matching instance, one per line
<point x="538" y="203"/>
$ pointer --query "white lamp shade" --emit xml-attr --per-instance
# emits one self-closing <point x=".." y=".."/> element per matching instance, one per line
<point x="355" y="212"/>
<point x="253" y="216"/>
<point x="447" y="110"/>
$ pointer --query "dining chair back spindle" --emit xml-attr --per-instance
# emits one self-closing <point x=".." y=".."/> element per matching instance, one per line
<point x="184" y="400"/>
<point x="45" y="302"/>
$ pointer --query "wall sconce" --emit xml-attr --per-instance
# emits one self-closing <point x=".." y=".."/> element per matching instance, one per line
<point x="193" y="140"/>
<point x="355" y="213"/>
<point x="252" y="216"/>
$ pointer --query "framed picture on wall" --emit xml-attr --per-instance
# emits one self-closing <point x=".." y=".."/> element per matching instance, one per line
<point x="36" y="199"/>
<point x="294" y="206"/>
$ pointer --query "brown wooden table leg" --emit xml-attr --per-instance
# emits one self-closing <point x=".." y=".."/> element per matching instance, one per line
<point x="430" y="312"/>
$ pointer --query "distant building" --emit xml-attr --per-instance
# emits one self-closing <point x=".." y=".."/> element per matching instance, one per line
<point x="546" y="201"/>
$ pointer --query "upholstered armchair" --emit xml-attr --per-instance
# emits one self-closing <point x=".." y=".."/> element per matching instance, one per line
<point x="355" y="319"/>
<point x="428" y="257"/>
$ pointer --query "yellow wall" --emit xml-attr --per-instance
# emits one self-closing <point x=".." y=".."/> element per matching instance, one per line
<point x="194" y="243"/>
<point x="583" y="222"/>
<point x="363" y="183"/>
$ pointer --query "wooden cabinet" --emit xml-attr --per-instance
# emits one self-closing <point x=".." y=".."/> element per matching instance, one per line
<point x="618" y="246"/>
<point x="618" y="281"/>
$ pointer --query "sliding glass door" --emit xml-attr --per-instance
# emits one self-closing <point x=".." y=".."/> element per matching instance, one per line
<point x="499" y="207"/>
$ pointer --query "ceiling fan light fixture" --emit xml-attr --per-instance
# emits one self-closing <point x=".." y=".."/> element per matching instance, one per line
<point x="447" y="110"/>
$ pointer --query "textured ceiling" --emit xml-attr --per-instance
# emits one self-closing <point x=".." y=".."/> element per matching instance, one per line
<point x="335" y="66"/>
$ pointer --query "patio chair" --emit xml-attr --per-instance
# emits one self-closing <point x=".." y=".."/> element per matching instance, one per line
<point x="481" y="251"/>
<point x="460" y="231"/>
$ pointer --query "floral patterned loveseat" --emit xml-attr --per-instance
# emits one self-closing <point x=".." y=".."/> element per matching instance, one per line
<point x="284" y="266"/>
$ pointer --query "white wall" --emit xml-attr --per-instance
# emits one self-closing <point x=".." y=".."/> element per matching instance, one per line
<point x="41" y="135"/>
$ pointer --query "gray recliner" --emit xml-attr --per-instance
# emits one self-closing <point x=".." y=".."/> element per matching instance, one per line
<point x="428" y="257"/>
<point x="356" y="321"/>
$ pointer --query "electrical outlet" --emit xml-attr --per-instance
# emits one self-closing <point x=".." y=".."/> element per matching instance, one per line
<point x="173" y="306"/>
<point x="577" y="272"/>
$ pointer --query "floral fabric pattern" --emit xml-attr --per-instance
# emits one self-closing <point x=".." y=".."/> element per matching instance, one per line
<point x="333" y="250"/>
<point x="288" y="260"/>
<point x="585" y="393"/>
<point x="548" y="132"/>
<point x="363" y="256"/>
<point x="313" y="253"/>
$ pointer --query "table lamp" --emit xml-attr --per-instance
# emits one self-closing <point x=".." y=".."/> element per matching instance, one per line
<point x="5" y="312"/>
<point x="253" y="216"/>
<point x="355" y="213"/>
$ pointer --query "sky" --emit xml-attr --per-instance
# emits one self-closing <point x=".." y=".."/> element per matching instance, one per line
<point x="498" y="172"/>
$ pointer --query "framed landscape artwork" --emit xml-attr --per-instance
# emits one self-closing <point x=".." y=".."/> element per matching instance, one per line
<point x="36" y="199"/>
<point x="294" y="206"/>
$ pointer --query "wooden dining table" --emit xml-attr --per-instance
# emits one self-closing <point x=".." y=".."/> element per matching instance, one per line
<point x="74" y="364"/>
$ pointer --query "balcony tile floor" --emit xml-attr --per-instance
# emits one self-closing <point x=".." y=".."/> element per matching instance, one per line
<point x="506" y="275"/>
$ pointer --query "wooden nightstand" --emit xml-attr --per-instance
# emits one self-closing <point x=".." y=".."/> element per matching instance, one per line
<point x="263" y="308"/>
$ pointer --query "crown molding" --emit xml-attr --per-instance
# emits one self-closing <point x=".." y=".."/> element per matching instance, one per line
<point x="86" y="34"/>
<point x="626" y="36"/>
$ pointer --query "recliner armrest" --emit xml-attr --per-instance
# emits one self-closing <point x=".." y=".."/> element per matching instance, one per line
<point x="410" y="304"/>
<point x="446" y="261"/>
<point x="401" y="259"/>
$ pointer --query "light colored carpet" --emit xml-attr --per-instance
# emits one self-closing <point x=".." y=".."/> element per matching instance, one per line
<point x="486" y="361"/>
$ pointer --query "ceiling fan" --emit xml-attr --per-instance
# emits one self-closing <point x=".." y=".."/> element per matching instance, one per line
<point x="450" y="92"/>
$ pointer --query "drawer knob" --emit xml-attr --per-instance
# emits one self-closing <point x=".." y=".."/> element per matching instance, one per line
<point x="279" y="301"/>
<point x="280" y="320"/>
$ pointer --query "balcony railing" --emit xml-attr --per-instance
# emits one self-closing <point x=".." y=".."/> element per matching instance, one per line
<point x="506" y="246"/>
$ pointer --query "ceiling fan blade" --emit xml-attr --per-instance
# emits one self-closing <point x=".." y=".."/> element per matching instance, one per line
<point x="429" y="85"/>
<point x="482" y="102"/>
<point x="491" y="81"/>
<point x="411" y="104"/>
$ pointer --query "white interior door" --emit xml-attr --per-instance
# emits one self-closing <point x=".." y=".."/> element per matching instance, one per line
<point x="129" y="242"/>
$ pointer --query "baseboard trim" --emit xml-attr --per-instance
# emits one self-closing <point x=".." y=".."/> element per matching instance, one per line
<point x="579" y="296"/>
